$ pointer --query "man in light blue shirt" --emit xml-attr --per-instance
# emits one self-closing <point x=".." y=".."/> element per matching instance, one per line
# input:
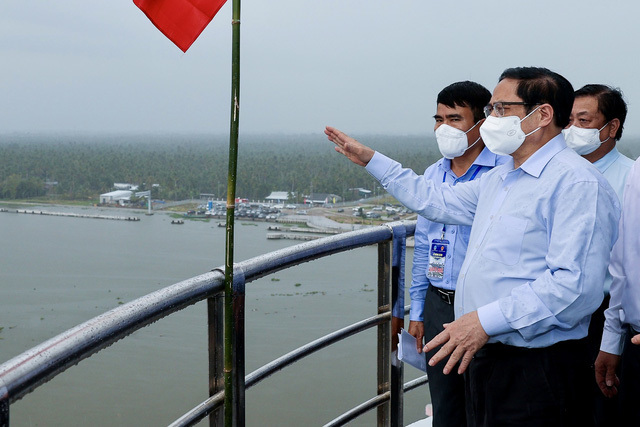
<point x="543" y="225"/>
<point x="595" y="126"/>
<point x="439" y="249"/>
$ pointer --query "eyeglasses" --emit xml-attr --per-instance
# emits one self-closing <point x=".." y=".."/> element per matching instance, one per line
<point x="498" y="107"/>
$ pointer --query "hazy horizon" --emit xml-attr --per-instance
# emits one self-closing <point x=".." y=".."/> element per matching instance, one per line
<point x="367" y="69"/>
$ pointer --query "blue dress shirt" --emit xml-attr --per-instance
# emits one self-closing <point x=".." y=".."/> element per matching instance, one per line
<point x="615" y="167"/>
<point x="457" y="235"/>
<point x="539" y="244"/>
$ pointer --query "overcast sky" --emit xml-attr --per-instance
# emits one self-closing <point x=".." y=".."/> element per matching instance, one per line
<point x="366" y="66"/>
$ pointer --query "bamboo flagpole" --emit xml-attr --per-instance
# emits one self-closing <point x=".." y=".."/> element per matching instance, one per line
<point x="182" y="22"/>
<point x="231" y="418"/>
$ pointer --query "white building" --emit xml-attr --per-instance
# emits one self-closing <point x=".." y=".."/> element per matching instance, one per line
<point x="118" y="196"/>
<point x="321" y="199"/>
<point x="278" y="196"/>
<point x="125" y="186"/>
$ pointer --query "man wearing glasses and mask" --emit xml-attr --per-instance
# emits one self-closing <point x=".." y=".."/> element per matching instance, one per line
<point x="543" y="225"/>
<point x="596" y="124"/>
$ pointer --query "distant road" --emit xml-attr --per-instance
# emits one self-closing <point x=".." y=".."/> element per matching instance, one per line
<point x="160" y="206"/>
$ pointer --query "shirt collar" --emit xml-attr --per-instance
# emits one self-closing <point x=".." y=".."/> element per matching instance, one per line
<point x="538" y="160"/>
<point x="485" y="158"/>
<point x="607" y="160"/>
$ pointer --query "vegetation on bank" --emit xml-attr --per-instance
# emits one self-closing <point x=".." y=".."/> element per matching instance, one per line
<point x="81" y="168"/>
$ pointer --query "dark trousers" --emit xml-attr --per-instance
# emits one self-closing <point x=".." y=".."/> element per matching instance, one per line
<point x="447" y="391"/>
<point x="605" y="410"/>
<point x="514" y="386"/>
<point x="629" y="391"/>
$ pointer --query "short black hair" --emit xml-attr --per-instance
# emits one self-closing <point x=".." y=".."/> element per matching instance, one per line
<point x="537" y="85"/>
<point x="610" y="103"/>
<point x="466" y="94"/>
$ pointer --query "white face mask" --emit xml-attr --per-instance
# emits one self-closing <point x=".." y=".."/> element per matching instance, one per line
<point x="452" y="142"/>
<point x="504" y="135"/>
<point x="583" y="141"/>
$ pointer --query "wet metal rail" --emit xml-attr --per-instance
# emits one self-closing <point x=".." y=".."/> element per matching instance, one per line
<point x="27" y="371"/>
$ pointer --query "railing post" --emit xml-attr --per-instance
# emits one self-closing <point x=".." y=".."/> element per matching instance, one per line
<point x="4" y="407"/>
<point x="384" y="330"/>
<point x="215" y="312"/>
<point x="397" y="298"/>
<point x="237" y="376"/>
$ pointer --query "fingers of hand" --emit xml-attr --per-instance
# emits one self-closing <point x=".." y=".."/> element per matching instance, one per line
<point x="600" y="375"/>
<point x="333" y="135"/>
<point x="456" y="354"/>
<point x="441" y="354"/>
<point x="466" y="360"/>
<point x="606" y="379"/>
<point x="439" y="339"/>
<point x="610" y="377"/>
<point x="612" y="380"/>
<point x="607" y="391"/>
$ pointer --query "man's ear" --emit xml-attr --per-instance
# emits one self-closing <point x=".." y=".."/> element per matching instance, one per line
<point x="546" y="115"/>
<point x="614" y="125"/>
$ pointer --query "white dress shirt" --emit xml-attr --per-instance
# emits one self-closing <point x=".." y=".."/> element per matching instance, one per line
<point x="615" y="167"/>
<point x="624" y="307"/>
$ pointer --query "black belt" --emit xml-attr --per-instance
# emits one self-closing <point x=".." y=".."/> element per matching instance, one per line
<point x="445" y="295"/>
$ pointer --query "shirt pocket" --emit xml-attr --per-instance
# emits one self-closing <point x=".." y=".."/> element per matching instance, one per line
<point x="504" y="242"/>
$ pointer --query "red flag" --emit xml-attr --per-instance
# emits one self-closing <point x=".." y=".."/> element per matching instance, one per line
<point x="181" y="21"/>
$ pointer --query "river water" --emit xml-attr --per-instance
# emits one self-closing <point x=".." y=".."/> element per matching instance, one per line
<point x="57" y="272"/>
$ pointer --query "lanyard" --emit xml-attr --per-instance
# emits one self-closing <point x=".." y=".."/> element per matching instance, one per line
<point x="444" y="177"/>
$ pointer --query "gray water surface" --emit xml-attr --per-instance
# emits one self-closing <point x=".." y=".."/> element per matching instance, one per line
<point x="57" y="272"/>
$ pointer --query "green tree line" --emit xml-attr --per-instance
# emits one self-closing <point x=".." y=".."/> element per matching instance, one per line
<point x="185" y="166"/>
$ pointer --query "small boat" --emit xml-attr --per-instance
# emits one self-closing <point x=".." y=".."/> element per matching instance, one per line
<point x="222" y="224"/>
<point x="177" y="221"/>
<point x="274" y="228"/>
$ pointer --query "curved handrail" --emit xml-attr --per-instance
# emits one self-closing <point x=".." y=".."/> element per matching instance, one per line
<point x="25" y="372"/>
<point x="212" y="403"/>
<point x="359" y="410"/>
<point x="198" y="413"/>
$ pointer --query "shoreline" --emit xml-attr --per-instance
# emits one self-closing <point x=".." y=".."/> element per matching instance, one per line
<point x="330" y="214"/>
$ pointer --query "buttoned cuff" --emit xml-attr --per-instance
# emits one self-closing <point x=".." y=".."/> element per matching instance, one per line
<point x="492" y="320"/>
<point x="612" y="342"/>
<point x="378" y="165"/>
<point x="417" y="311"/>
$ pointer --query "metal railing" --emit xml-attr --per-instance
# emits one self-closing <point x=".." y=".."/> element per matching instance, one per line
<point x="27" y="371"/>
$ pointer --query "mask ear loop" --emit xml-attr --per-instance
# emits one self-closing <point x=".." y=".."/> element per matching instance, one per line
<point x="473" y="143"/>
<point x="479" y="136"/>
<point x="536" y="129"/>
<point x="600" y="130"/>
<point x="471" y="128"/>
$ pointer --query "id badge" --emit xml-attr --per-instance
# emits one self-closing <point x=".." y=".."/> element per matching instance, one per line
<point x="437" y="257"/>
